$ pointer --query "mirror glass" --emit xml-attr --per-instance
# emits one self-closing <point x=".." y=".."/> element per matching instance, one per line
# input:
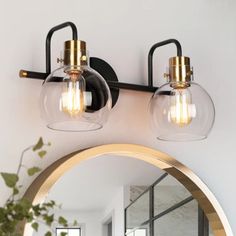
<point x="118" y="195"/>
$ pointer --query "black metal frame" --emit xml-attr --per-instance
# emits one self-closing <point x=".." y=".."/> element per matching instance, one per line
<point x="151" y="52"/>
<point x="44" y="75"/>
<point x="112" y="82"/>
<point x="203" y="223"/>
<point x="49" y="38"/>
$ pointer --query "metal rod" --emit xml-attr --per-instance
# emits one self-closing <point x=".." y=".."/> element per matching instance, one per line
<point x="151" y="52"/>
<point x="125" y="222"/>
<point x="203" y="223"/>
<point x="111" y="84"/>
<point x="33" y="74"/>
<point x="49" y="37"/>
<point x="174" y="207"/>
<point x="151" y="210"/>
<point x="160" y="179"/>
<point x="135" y="87"/>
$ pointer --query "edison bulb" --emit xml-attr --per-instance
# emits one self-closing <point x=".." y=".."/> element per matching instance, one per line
<point x="75" y="98"/>
<point x="182" y="110"/>
<point x="181" y="114"/>
<point x="72" y="100"/>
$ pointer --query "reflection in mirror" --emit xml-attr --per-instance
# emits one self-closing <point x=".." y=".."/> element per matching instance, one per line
<point x="138" y="211"/>
<point x="117" y="195"/>
<point x="167" y="193"/>
<point x="183" y="219"/>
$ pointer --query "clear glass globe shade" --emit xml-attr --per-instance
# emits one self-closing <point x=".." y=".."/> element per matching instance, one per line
<point x="75" y="98"/>
<point x="181" y="114"/>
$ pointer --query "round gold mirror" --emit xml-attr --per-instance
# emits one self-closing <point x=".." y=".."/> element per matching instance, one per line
<point x="171" y="172"/>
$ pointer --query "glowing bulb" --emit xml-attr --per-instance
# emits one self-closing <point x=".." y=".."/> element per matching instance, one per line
<point x="72" y="96"/>
<point x="182" y="111"/>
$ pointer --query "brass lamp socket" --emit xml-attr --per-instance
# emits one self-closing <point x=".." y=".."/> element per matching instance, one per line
<point x="75" y="53"/>
<point x="180" y="72"/>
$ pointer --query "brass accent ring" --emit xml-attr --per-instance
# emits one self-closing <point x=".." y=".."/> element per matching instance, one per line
<point x="75" y="53"/>
<point x="23" y="74"/>
<point x="179" y="70"/>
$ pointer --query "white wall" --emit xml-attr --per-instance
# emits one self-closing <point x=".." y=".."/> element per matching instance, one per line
<point x="122" y="32"/>
<point x="115" y="209"/>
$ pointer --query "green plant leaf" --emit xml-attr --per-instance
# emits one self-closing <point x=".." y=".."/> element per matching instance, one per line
<point x="36" y="209"/>
<point x="50" y="204"/>
<point x="48" y="233"/>
<point x="42" y="153"/>
<point x="10" y="179"/>
<point x="32" y="171"/>
<point x="15" y="191"/>
<point x="24" y="205"/>
<point x="9" y="227"/>
<point x="38" y="145"/>
<point x="48" y="219"/>
<point x="2" y="215"/>
<point x="63" y="234"/>
<point x="75" y="223"/>
<point x="35" y="226"/>
<point x="62" y="221"/>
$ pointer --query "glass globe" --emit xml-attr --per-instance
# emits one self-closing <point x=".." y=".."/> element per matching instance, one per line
<point x="184" y="113"/>
<point x="75" y="98"/>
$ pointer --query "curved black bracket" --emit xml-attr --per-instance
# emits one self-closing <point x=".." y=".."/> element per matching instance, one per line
<point x="103" y="67"/>
<point x="49" y="37"/>
<point x="151" y="52"/>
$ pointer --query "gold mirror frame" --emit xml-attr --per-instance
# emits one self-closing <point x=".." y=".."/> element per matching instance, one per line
<point x="40" y="187"/>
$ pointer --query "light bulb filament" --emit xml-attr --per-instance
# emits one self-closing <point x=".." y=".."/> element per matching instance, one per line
<point x="182" y="111"/>
<point x="72" y="98"/>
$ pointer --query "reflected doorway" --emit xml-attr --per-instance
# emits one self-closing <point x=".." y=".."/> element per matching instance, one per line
<point x="108" y="227"/>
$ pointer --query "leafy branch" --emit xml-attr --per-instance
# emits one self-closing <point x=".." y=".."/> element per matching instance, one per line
<point x="17" y="209"/>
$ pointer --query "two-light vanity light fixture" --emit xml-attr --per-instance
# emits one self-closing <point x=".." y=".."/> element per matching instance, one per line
<point x="80" y="94"/>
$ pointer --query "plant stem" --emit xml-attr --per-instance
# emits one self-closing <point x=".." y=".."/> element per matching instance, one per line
<point x="22" y="157"/>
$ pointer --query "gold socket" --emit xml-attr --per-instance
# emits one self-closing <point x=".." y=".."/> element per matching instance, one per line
<point x="75" y="53"/>
<point x="180" y="71"/>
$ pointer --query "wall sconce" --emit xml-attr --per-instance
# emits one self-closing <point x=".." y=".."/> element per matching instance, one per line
<point x="79" y="95"/>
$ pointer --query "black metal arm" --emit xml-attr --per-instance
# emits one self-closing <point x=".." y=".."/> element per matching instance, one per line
<point x="135" y="87"/>
<point x="49" y="37"/>
<point x="151" y="52"/>
<point x="111" y="81"/>
<point x="41" y="75"/>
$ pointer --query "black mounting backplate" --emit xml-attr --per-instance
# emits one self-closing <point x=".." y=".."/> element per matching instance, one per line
<point x="107" y="72"/>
